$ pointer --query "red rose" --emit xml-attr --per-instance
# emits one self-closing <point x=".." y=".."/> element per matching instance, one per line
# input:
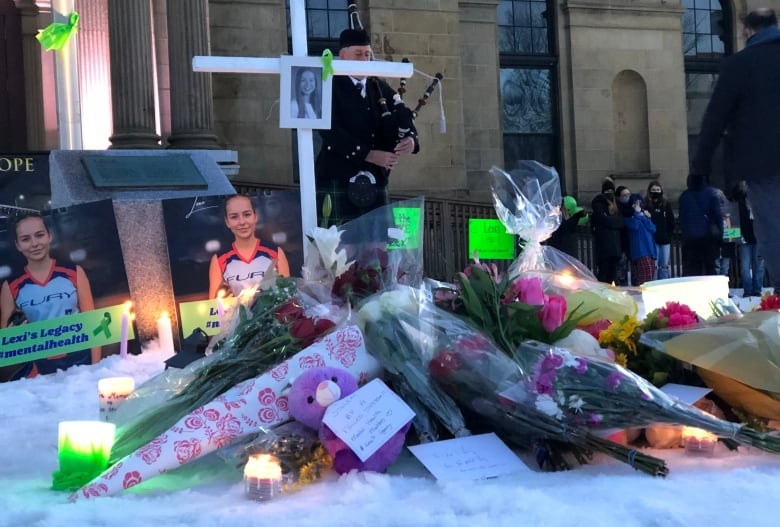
<point x="303" y="330"/>
<point x="289" y="312"/>
<point x="597" y="327"/>
<point x="769" y="302"/>
<point x="444" y="364"/>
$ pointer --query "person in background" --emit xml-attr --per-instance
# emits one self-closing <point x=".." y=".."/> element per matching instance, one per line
<point x="728" y="249"/>
<point x="625" y="272"/>
<point x="640" y="240"/>
<point x="607" y="225"/>
<point x="247" y="261"/>
<point x="662" y="216"/>
<point x="751" y="263"/>
<point x="565" y="236"/>
<point x="701" y="226"/>
<point x="44" y="290"/>
<point x="745" y="102"/>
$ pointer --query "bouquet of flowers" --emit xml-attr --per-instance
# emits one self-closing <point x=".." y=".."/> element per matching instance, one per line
<point x="272" y="326"/>
<point x="439" y="349"/>
<point x="623" y="337"/>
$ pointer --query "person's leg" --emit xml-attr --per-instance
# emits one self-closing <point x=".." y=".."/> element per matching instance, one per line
<point x="757" y="264"/>
<point x="745" y="268"/>
<point x="662" y="263"/>
<point x="764" y="198"/>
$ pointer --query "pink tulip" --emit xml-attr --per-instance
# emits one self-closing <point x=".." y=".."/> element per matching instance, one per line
<point x="531" y="292"/>
<point x="553" y="312"/>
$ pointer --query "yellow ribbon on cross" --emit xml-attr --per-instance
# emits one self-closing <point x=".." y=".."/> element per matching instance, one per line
<point x="57" y="34"/>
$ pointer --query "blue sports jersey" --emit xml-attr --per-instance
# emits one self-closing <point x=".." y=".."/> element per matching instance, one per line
<point x="240" y="273"/>
<point x="55" y="297"/>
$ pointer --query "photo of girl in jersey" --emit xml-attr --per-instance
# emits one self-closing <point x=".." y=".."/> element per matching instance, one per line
<point x="228" y="242"/>
<point x="247" y="260"/>
<point x="48" y="270"/>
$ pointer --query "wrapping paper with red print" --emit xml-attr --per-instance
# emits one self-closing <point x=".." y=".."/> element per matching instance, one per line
<point x="239" y="411"/>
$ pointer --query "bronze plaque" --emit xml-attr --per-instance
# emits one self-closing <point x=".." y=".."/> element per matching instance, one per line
<point x="174" y="171"/>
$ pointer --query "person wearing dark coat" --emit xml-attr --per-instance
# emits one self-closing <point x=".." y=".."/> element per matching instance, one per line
<point x="608" y="226"/>
<point x="662" y="216"/>
<point x="354" y="163"/>
<point x="745" y="103"/>
<point x="565" y="236"/>
<point x="701" y="226"/>
<point x="751" y="263"/>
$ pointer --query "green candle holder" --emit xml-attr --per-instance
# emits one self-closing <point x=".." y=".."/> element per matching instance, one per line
<point x="83" y="451"/>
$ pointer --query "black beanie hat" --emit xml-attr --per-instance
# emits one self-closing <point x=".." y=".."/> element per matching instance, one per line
<point x="353" y="37"/>
<point x="607" y="184"/>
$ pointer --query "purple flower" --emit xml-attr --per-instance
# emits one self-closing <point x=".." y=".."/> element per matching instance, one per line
<point x="544" y="383"/>
<point x="595" y="419"/>
<point x="613" y="381"/>
<point x="552" y="361"/>
<point x="582" y="365"/>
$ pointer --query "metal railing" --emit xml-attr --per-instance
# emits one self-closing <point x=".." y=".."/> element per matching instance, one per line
<point x="445" y="238"/>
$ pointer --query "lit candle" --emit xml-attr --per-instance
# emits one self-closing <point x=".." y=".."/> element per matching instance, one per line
<point x="123" y="331"/>
<point x="165" y="332"/>
<point x="111" y="392"/>
<point x="262" y="477"/>
<point x="697" y="441"/>
<point x="83" y="449"/>
<point x="220" y="308"/>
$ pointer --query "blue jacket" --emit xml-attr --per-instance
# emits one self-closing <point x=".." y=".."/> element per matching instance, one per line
<point x="701" y="215"/>
<point x="640" y="236"/>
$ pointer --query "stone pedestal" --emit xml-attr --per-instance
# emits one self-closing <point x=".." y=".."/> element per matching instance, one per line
<point x="139" y="219"/>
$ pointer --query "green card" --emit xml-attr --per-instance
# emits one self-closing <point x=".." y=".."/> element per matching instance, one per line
<point x="203" y="314"/>
<point x="488" y="237"/>
<point x="407" y="219"/>
<point x="39" y="340"/>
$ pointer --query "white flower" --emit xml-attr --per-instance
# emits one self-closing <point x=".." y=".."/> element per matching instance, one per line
<point x="575" y="403"/>
<point x="548" y="406"/>
<point x="391" y="302"/>
<point x="327" y="241"/>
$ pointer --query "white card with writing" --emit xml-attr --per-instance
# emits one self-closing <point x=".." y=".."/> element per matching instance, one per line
<point x="473" y="457"/>
<point x="366" y="419"/>
<point x="684" y="393"/>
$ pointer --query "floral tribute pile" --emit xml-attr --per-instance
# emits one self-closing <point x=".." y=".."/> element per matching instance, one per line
<point x="542" y="354"/>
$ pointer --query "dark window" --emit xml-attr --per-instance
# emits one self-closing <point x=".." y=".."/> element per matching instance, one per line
<point x="529" y="82"/>
<point x="707" y="39"/>
<point x="325" y="20"/>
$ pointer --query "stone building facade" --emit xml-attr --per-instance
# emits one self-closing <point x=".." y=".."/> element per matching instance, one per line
<point x="594" y="87"/>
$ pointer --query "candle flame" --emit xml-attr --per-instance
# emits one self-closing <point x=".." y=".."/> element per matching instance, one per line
<point x="263" y="466"/>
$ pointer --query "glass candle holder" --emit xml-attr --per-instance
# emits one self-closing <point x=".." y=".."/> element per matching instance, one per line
<point x="262" y="477"/>
<point x="698" y="442"/>
<point x="112" y="391"/>
<point x="83" y="449"/>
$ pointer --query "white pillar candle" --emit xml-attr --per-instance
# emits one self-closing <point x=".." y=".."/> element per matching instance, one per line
<point x="112" y="391"/>
<point x="124" y="330"/>
<point x="262" y="477"/>
<point x="165" y="332"/>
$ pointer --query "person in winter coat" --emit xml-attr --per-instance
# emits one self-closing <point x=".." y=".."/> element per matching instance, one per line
<point x="751" y="263"/>
<point x="662" y="216"/>
<point x="565" y="236"/>
<point x="607" y="225"/>
<point x="701" y="225"/>
<point x="640" y="240"/>
<point x="745" y="102"/>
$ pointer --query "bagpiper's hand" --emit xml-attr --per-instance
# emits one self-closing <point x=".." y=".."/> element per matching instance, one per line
<point x="405" y="146"/>
<point x="383" y="159"/>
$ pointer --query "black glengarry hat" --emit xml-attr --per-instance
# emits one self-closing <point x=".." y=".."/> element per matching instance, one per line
<point x="353" y="37"/>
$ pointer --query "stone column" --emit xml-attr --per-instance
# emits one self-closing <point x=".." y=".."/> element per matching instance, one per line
<point x="192" y="119"/>
<point x="132" y="74"/>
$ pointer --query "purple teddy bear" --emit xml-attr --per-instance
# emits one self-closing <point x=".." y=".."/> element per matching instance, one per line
<point x="311" y="394"/>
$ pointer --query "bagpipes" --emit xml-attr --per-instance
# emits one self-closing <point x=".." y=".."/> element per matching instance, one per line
<point x="397" y="120"/>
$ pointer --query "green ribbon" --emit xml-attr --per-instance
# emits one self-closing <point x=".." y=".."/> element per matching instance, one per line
<point x="103" y="326"/>
<point x="57" y="34"/>
<point x="327" y="64"/>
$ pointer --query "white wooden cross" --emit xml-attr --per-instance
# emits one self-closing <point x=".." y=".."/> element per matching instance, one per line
<point x="355" y="68"/>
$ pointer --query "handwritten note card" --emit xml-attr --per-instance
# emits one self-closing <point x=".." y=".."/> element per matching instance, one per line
<point x="684" y="393"/>
<point x="473" y="457"/>
<point x="369" y="417"/>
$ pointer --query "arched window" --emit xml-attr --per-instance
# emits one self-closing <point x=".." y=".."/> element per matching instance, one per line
<point x="528" y="60"/>
<point x="707" y="38"/>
